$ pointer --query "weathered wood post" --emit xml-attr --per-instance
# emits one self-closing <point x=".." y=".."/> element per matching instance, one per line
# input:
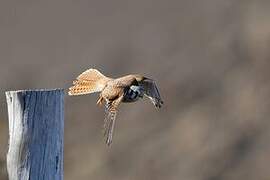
<point x="36" y="129"/>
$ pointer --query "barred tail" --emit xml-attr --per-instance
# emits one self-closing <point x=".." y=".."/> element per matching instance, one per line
<point x="89" y="81"/>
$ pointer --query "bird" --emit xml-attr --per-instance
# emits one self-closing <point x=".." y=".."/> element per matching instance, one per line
<point x="114" y="91"/>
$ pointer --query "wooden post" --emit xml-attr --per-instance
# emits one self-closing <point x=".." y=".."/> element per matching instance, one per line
<point x="36" y="129"/>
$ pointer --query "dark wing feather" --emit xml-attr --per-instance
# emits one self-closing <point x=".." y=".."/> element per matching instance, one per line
<point x="151" y="91"/>
<point x="110" y="116"/>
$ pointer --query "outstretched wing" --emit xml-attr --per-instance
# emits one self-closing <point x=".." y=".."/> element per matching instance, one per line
<point x="89" y="81"/>
<point x="151" y="91"/>
<point x="111" y="108"/>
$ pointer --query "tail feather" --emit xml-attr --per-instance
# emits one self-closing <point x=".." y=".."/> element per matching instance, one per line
<point x="89" y="81"/>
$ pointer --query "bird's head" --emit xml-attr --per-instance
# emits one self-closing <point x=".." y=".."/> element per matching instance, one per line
<point x="138" y="89"/>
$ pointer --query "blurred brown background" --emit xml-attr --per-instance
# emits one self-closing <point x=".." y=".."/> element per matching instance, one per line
<point x="210" y="59"/>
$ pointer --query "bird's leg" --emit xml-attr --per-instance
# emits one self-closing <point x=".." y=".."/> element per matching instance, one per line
<point x="100" y="100"/>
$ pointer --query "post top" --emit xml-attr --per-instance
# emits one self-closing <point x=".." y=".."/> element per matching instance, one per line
<point x="35" y="90"/>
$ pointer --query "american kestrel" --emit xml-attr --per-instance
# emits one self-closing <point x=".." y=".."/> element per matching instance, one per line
<point x="129" y="88"/>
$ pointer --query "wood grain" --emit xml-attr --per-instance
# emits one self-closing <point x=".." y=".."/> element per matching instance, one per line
<point x="36" y="129"/>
